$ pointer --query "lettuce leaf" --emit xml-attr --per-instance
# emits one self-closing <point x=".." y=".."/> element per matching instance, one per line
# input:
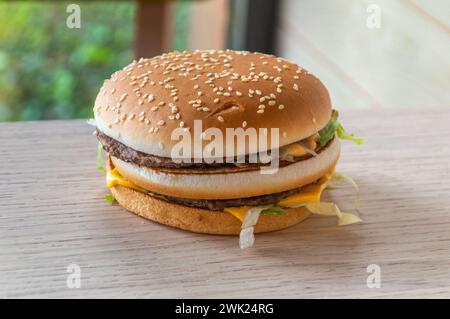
<point x="274" y="210"/>
<point x="100" y="165"/>
<point x="334" y="127"/>
<point x="109" y="198"/>
<point x="327" y="133"/>
<point x="343" y="135"/>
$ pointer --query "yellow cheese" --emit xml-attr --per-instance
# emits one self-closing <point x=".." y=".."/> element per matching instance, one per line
<point x="309" y="194"/>
<point x="296" y="150"/>
<point x="238" y="212"/>
<point x="114" y="178"/>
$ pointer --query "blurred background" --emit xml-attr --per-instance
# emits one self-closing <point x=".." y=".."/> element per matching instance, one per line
<point x="370" y="54"/>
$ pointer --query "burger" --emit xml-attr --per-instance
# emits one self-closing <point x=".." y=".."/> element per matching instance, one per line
<point x="143" y="110"/>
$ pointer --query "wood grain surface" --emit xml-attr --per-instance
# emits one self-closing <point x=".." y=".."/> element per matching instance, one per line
<point x="52" y="214"/>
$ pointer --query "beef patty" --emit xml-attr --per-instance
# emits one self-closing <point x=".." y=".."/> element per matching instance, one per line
<point x="127" y="154"/>
<point x="221" y="204"/>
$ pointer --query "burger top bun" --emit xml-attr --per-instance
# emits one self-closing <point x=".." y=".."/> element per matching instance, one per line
<point x="143" y="103"/>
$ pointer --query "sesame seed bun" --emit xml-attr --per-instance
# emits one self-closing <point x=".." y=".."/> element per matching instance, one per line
<point x="199" y="220"/>
<point x="143" y="103"/>
<point x="226" y="185"/>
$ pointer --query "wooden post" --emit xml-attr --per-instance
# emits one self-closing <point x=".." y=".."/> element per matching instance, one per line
<point x="154" y="28"/>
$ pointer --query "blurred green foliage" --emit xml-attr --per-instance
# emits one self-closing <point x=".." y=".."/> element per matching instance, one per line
<point x="48" y="71"/>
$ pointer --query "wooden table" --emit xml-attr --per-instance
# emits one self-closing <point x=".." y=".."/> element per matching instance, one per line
<point x="52" y="214"/>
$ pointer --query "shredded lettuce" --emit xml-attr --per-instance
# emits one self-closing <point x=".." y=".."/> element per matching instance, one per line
<point x="339" y="177"/>
<point x="327" y="133"/>
<point x="274" y="210"/>
<point x="100" y="165"/>
<point x="331" y="209"/>
<point x="343" y="135"/>
<point x="246" y="236"/>
<point x="334" y="127"/>
<point x="109" y="198"/>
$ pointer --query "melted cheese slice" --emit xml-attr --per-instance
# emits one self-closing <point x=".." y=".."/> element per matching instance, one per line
<point x="238" y="212"/>
<point x="309" y="197"/>
<point x="296" y="150"/>
<point x="309" y="194"/>
<point x="114" y="178"/>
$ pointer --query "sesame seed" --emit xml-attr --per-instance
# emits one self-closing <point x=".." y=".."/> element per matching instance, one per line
<point x="244" y="124"/>
<point x="238" y="93"/>
<point x="281" y="106"/>
<point x="113" y="90"/>
<point x="258" y="92"/>
<point x="262" y="99"/>
<point x="162" y="103"/>
<point x="150" y="97"/>
<point x="220" y="118"/>
<point x="261" y="107"/>
<point x="260" y="111"/>
<point x="161" y="122"/>
<point x="295" y="87"/>
<point x="181" y="124"/>
<point x="226" y="94"/>
<point x="272" y="103"/>
<point x="216" y="100"/>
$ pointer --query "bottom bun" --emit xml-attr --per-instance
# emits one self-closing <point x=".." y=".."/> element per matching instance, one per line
<point x="199" y="220"/>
